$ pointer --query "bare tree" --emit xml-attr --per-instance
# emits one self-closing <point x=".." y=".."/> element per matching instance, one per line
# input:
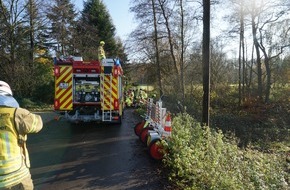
<point x="264" y="18"/>
<point x="14" y="49"/>
<point x="20" y="41"/>
<point x="144" y="41"/>
<point x="62" y="15"/>
<point x="167" y="13"/>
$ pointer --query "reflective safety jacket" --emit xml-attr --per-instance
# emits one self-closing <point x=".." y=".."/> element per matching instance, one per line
<point x="101" y="53"/>
<point x="15" y="124"/>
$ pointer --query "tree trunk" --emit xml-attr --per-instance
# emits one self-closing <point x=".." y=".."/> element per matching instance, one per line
<point x="157" y="49"/>
<point x="268" y="84"/>
<point x="206" y="61"/>
<point x="240" y="57"/>
<point x="244" y="77"/>
<point x="31" y="32"/>
<point x="182" y="52"/>
<point x="259" y="64"/>
<point x="251" y="70"/>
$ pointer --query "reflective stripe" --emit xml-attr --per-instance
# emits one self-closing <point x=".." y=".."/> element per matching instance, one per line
<point x="10" y="152"/>
<point x="14" y="178"/>
<point x="10" y="165"/>
<point x="7" y="148"/>
<point x="2" y="162"/>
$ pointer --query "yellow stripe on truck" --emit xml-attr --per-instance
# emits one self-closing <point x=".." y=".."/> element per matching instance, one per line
<point x="110" y="90"/>
<point x="110" y="93"/>
<point x="63" y="88"/>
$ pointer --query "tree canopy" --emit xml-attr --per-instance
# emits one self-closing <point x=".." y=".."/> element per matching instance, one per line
<point x="33" y="32"/>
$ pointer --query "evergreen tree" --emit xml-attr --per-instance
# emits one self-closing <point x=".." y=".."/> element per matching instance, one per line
<point x="97" y="23"/>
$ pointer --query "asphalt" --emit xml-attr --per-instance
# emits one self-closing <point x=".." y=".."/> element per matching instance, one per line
<point x="92" y="156"/>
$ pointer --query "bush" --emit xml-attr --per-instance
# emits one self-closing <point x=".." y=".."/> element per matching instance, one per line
<point x="27" y="103"/>
<point x="200" y="158"/>
<point x="32" y="105"/>
<point x="45" y="92"/>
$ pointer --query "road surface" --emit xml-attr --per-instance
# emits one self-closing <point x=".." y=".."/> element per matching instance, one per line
<point x="92" y="157"/>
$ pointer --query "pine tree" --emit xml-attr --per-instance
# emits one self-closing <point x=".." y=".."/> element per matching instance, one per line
<point x="97" y="25"/>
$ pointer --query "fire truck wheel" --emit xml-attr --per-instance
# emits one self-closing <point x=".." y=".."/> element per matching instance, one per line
<point x="144" y="134"/>
<point x="156" y="149"/>
<point x="138" y="128"/>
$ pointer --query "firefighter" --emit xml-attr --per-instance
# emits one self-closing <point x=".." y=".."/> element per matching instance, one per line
<point x="143" y="96"/>
<point x="132" y="95"/>
<point x="101" y="51"/>
<point x="128" y="101"/>
<point x="15" y="124"/>
<point x="130" y="98"/>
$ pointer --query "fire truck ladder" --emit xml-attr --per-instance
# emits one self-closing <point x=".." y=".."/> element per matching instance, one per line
<point x="107" y="95"/>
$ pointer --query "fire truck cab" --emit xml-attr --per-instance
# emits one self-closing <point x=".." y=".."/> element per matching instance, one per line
<point x="88" y="91"/>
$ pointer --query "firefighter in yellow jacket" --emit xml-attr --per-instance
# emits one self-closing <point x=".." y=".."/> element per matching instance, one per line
<point x="15" y="124"/>
<point x="101" y="51"/>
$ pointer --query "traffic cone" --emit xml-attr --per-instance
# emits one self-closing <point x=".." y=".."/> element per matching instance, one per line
<point x="167" y="127"/>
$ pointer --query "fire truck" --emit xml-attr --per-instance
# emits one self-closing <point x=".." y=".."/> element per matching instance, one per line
<point x="88" y="91"/>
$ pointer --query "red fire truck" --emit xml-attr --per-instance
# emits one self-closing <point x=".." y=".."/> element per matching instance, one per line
<point x="87" y="91"/>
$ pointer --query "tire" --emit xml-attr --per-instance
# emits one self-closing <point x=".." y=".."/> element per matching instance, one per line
<point x="155" y="149"/>
<point x="138" y="128"/>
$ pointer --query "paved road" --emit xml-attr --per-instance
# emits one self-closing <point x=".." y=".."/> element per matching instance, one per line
<point x="92" y="157"/>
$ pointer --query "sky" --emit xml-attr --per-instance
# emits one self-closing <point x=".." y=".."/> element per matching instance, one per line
<point x="120" y="14"/>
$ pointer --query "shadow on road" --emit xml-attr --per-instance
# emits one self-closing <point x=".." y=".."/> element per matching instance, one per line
<point x="92" y="156"/>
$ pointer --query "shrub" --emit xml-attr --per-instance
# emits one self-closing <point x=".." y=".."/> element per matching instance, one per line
<point x="33" y="105"/>
<point x="27" y="103"/>
<point x="201" y="158"/>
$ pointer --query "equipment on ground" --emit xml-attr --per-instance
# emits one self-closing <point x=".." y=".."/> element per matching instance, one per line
<point x="155" y="128"/>
<point x="88" y="91"/>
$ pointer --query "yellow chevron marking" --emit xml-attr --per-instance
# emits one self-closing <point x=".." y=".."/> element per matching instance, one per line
<point x="64" y="95"/>
<point x="67" y="97"/>
<point x="63" y="75"/>
<point x="110" y="91"/>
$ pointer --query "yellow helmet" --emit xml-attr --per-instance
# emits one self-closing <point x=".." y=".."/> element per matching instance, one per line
<point x="102" y="43"/>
